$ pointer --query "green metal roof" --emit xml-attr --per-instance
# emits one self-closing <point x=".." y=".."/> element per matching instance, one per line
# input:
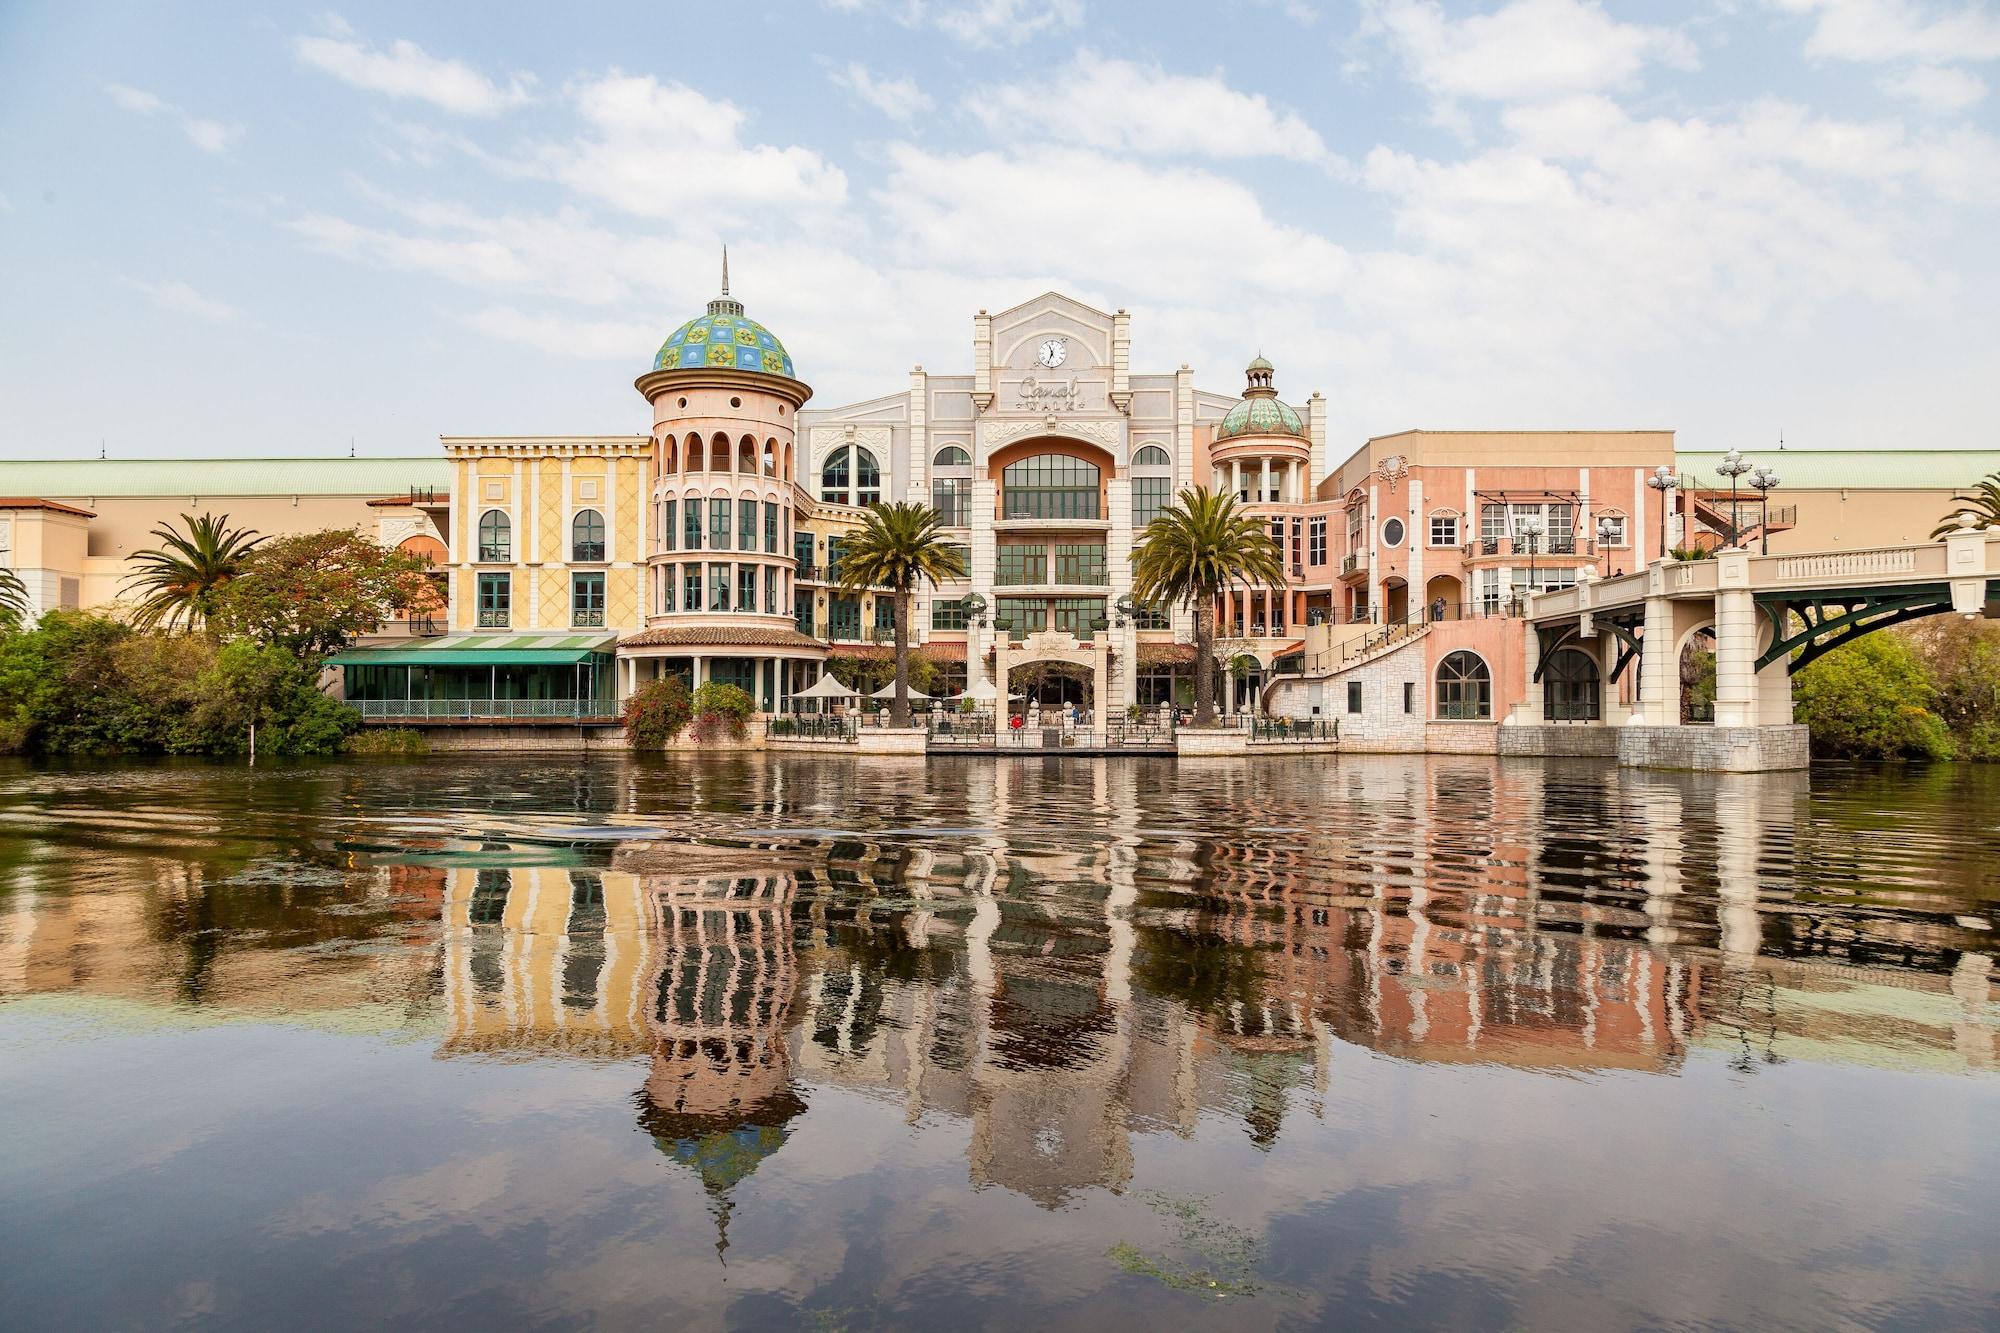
<point x="483" y="650"/>
<point x="1858" y="469"/>
<point x="64" y="478"/>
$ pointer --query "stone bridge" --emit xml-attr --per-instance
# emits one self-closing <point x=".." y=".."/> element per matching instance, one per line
<point x="1769" y="616"/>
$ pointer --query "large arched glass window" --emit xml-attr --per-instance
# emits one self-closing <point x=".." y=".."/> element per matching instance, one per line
<point x="1570" y="690"/>
<point x="951" y="486"/>
<point x="586" y="536"/>
<point x="834" y="477"/>
<point x="496" y="536"/>
<point x="851" y="476"/>
<point x="1152" y="484"/>
<point x="1049" y="486"/>
<point x="1464" y="688"/>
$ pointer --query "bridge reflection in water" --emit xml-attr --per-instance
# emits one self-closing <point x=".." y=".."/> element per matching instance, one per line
<point x="1060" y="1003"/>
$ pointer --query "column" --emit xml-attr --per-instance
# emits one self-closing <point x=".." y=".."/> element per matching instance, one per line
<point x="1735" y="651"/>
<point x="1774" y="682"/>
<point x="1529" y="710"/>
<point x="1659" y="663"/>
<point x="699" y="672"/>
<point x="1101" y="702"/>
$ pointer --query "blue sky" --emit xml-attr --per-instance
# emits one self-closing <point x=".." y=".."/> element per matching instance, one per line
<point x="262" y="229"/>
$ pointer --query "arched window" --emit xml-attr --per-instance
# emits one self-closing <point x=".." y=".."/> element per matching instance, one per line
<point x="496" y="536"/>
<point x="1152" y="484"/>
<point x="951" y="486"/>
<point x="770" y="458"/>
<point x="952" y="456"/>
<point x="867" y="478"/>
<point x="1049" y="486"/>
<point x="851" y="475"/>
<point x="670" y="460"/>
<point x="694" y="456"/>
<point x="1570" y="690"/>
<point x="746" y="456"/>
<point x="586" y="537"/>
<point x="834" y="477"/>
<point x="1464" y="688"/>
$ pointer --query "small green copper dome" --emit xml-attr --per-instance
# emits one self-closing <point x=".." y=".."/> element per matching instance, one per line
<point x="1260" y="415"/>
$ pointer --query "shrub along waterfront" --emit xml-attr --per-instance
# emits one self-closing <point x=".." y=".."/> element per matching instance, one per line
<point x="1931" y="692"/>
<point x="241" y="656"/>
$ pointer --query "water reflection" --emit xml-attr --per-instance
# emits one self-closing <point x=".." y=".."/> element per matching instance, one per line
<point x="1095" y="966"/>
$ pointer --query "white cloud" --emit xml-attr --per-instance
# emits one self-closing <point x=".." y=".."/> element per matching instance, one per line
<point x="1527" y="50"/>
<point x="210" y="136"/>
<point x="407" y="70"/>
<point x="1936" y="87"/>
<point x="1120" y="106"/>
<point x="136" y="100"/>
<point x="1178" y="234"/>
<point x="898" y="99"/>
<point x="666" y="150"/>
<point x="183" y="299"/>
<point x="977" y="23"/>
<point x="565" y="335"/>
<point x="1875" y="31"/>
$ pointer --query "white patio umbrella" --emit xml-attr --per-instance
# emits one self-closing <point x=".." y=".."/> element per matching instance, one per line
<point x="826" y="687"/>
<point x="981" y="690"/>
<point x="889" y="692"/>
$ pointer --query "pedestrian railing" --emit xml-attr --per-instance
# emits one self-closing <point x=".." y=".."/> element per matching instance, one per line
<point x="1295" y="730"/>
<point x="813" y="727"/>
<point x="463" y="710"/>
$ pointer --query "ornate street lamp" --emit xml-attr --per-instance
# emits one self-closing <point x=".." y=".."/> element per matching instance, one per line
<point x="1732" y="466"/>
<point x="1664" y="481"/>
<point x="1605" y="527"/>
<point x="1530" y="530"/>
<point x="1764" y="481"/>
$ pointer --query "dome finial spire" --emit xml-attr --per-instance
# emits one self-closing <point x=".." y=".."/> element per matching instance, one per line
<point x="725" y="268"/>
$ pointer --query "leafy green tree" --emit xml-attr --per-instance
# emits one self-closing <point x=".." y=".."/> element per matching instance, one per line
<point x="1982" y="503"/>
<point x="314" y="593"/>
<point x="63" y="693"/>
<point x="14" y="605"/>
<point x="897" y="546"/>
<point x="182" y="578"/>
<point x="1194" y="549"/>
<point x="1871" y="699"/>
<point x="656" y="712"/>
<point x="1962" y="658"/>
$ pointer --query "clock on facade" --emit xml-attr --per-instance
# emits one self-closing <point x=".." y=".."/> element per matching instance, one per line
<point x="1054" y="351"/>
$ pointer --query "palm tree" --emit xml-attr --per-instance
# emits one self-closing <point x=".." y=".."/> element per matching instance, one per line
<point x="1188" y="555"/>
<point x="183" y="576"/>
<point x="14" y="605"/>
<point x="1983" y="504"/>
<point x="899" y="544"/>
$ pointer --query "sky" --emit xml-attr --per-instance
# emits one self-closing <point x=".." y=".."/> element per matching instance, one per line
<point x="264" y="229"/>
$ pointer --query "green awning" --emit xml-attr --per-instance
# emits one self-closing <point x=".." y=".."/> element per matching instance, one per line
<point x="483" y="650"/>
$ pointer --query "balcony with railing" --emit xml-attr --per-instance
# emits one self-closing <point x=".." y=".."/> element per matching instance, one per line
<point x="591" y="711"/>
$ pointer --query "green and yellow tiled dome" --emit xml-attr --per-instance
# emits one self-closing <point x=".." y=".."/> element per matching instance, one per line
<point x="1260" y="414"/>
<point x="726" y="339"/>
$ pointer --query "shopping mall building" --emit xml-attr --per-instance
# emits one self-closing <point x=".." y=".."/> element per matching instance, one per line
<point x="579" y="567"/>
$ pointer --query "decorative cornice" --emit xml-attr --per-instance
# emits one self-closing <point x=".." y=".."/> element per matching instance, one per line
<point x="1110" y="434"/>
<point x="655" y="382"/>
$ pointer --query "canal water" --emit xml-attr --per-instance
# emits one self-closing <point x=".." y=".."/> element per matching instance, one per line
<point x="790" y="1042"/>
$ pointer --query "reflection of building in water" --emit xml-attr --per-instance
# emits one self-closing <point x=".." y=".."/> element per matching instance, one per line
<point x="1061" y="999"/>
<point x="696" y="972"/>
<point x="720" y="1094"/>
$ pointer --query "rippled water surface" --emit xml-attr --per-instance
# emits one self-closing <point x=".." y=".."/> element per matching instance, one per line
<point x="781" y="1042"/>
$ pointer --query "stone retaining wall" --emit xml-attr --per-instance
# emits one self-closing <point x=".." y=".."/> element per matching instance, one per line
<point x="1716" y="749"/>
<point x="1575" y="741"/>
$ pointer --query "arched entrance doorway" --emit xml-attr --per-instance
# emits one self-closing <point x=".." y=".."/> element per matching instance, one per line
<point x="1697" y="676"/>
<point x="1395" y="600"/>
<point x="1571" y="691"/>
<point x="1051" y="686"/>
<point x="1444" y="598"/>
